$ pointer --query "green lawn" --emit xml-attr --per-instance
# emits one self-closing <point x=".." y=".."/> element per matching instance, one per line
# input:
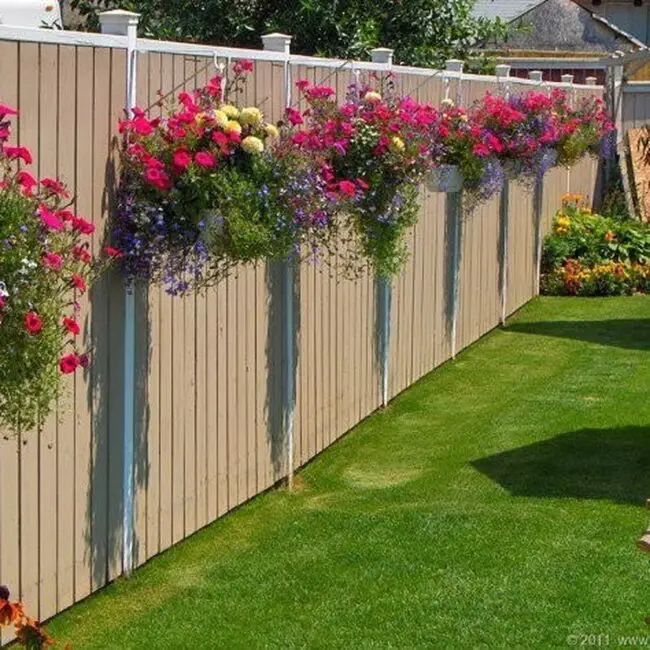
<point x="494" y="504"/>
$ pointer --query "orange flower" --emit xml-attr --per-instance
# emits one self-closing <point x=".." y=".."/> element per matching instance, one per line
<point x="610" y="236"/>
<point x="10" y="612"/>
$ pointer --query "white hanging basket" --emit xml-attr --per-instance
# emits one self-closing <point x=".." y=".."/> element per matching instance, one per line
<point x="445" y="178"/>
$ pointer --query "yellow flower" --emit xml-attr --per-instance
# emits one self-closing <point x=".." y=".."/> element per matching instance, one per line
<point x="372" y="96"/>
<point x="397" y="144"/>
<point x="463" y="118"/>
<point x="447" y="103"/>
<point x="232" y="127"/>
<point x="220" y="118"/>
<point x="199" y="117"/>
<point x="250" y="115"/>
<point x="271" y="131"/>
<point x="230" y="110"/>
<point x="251" y="144"/>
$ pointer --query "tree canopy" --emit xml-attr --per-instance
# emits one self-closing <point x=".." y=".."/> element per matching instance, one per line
<point x="422" y="32"/>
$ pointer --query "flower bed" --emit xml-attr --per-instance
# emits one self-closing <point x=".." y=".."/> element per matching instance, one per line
<point x="590" y="255"/>
<point x="46" y="258"/>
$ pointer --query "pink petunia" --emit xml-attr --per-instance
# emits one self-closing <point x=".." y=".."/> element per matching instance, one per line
<point x="205" y="159"/>
<point x="49" y="219"/>
<point x="53" y="261"/>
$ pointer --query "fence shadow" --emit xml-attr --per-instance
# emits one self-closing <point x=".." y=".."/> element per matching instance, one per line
<point x="276" y="359"/>
<point x="604" y="464"/>
<point x="105" y="400"/>
<point x="630" y="333"/>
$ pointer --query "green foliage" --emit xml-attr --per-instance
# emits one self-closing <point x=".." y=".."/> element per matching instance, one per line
<point x="422" y="32"/>
<point x="29" y="373"/>
<point x="593" y="239"/>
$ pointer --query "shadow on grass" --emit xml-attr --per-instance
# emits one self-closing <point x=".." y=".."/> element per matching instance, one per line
<point x="631" y="334"/>
<point x="608" y="464"/>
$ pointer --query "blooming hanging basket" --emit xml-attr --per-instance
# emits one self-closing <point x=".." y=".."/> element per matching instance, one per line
<point x="444" y="178"/>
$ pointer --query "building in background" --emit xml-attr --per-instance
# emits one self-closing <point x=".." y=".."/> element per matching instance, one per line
<point x="560" y="36"/>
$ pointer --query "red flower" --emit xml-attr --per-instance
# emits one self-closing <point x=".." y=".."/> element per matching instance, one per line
<point x="55" y="187"/>
<point x="26" y="181"/>
<point x="113" y="252"/>
<point x="49" y="219"/>
<point x="33" y="323"/>
<point x="19" y="153"/>
<point x="71" y="326"/>
<point x="205" y="159"/>
<point x="182" y="158"/>
<point x="7" y="110"/>
<point x="83" y="226"/>
<point x="158" y="178"/>
<point x="53" y="261"/>
<point x="348" y="188"/>
<point x="243" y="67"/>
<point x="69" y="363"/>
<point x="78" y="283"/>
<point x="81" y="253"/>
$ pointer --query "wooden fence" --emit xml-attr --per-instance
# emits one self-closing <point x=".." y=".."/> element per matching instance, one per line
<point x="209" y="402"/>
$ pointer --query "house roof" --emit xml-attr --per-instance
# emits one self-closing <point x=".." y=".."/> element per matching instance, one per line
<point x="506" y="10"/>
<point x="510" y="10"/>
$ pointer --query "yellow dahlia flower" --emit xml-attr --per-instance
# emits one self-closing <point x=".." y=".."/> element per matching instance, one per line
<point x="220" y="118"/>
<point x="397" y="144"/>
<point x="250" y="115"/>
<point x="251" y="144"/>
<point x="271" y="130"/>
<point x="232" y="127"/>
<point x="230" y="110"/>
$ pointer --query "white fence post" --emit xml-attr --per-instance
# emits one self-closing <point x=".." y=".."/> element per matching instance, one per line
<point x="125" y="23"/>
<point x="503" y="75"/>
<point x="384" y="56"/>
<point x="282" y="43"/>
<point x="591" y="81"/>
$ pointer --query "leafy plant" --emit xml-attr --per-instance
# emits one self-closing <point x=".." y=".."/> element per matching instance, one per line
<point x="45" y="259"/>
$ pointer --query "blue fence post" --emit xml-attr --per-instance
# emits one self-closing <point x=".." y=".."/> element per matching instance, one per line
<point x="125" y="23"/>
<point x="282" y="43"/>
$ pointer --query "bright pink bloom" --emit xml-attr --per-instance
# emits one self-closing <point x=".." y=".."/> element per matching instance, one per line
<point x="78" y="283"/>
<point x="243" y="67"/>
<point x="26" y="181"/>
<point x="205" y="159"/>
<point x="7" y="110"/>
<point x="19" y="153"/>
<point x="49" y="219"/>
<point x="53" y="261"/>
<point x="83" y="226"/>
<point x="71" y="326"/>
<point x="348" y="188"/>
<point x="33" y="323"/>
<point x="55" y="187"/>
<point x="69" y="363"/>
<point x="182" y="158"/>
<point x="115" y="253"/>
<point x="157" y="178"/>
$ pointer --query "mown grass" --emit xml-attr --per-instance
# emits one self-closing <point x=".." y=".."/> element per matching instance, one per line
<point x="494" y="504"/>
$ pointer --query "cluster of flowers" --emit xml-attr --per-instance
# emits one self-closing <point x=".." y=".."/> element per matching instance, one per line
<point x="606" y="279"/>
<point x="211" y="185"/>
<point x="29" y="632"/>
<point x="587" y="254"/>
<point x="522" y="135"/>
<point x="373" y="151"/>
<point x="45" y="258"/>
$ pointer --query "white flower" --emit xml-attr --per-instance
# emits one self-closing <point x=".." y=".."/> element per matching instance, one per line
<point x="3" y="290"/>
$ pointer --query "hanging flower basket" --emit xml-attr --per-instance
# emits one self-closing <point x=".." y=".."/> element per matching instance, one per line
<point x="444" y="178"/>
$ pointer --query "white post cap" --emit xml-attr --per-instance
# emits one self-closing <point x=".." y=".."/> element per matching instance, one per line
<point x="117" y="21"/>
<point x="382" y="55"/>
<point x="277" y="42"/>
<point x="567" y="78"/>
<point x="591" y="81"/>
<point x="535" y="75"/>
<point x="454" y="65"/>
<point x="502" y="70"/>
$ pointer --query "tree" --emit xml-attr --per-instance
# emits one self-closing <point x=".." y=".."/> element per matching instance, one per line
<point x="422" y="32"/>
